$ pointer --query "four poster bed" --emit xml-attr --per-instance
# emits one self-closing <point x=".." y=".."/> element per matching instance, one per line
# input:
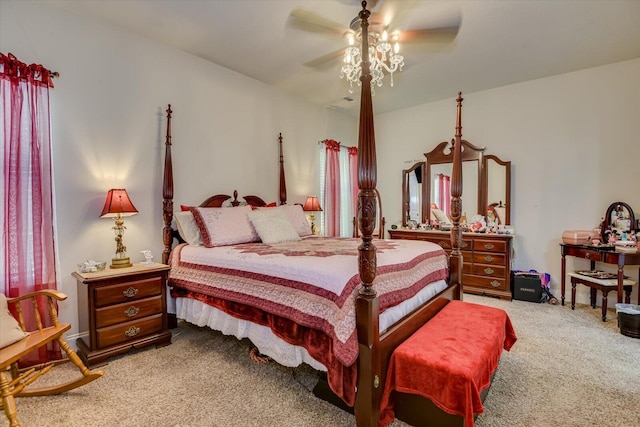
<point x="347" y="321"/>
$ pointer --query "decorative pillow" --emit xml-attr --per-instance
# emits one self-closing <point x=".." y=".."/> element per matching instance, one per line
<point x="297" y="218"/>
<point x="224" y="226"/>
<point x="188" y="228"/>
<point x="10" y="330"/>
<point x="273" y="226"/>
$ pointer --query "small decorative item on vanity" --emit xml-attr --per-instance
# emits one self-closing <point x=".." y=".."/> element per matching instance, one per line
<point x="312" y="205"/>
<point x="117" y="206"/>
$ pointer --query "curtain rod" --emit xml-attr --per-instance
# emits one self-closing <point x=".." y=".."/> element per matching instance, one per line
<point x="54" y="74"/>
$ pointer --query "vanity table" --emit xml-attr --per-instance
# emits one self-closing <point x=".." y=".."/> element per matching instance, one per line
<point x="486" y="267"/>
<point x="594" y="254"/>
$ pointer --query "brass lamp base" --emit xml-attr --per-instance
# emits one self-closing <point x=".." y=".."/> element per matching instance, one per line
<point x="120" y="263"/>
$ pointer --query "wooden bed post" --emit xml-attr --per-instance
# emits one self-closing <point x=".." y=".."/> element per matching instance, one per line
<point x="283" y="185"/>
<point x="455" y="260"/>
<point x="167" y="193"/>
<point x="370" y="381"/>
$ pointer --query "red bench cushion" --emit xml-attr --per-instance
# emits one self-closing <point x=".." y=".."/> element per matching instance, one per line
<point x="450" y="359"/>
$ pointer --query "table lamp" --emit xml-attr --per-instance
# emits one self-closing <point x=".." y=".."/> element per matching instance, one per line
<point x="116" y="206"/>
<point x="312" y="205"/>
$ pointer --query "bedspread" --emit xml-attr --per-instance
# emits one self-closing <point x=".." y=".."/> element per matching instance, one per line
<point x="309" y="285"/>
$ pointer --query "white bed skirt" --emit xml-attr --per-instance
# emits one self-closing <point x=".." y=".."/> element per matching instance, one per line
<point x="201" y="314"/>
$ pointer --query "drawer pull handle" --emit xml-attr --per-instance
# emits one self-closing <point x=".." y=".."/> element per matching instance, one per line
<point x="495" y="283"/>
<point x="130" y="292"/>
<point x="489" y="245"/>
<point x="132" y="331"/>
<point x="442" y="243"/>
<point x="488" y="270"/>
<point x="587" y="255"/>
<point x="463" y="245"/>
<point x="488" y="258"/>
<point x="131" y="311"/>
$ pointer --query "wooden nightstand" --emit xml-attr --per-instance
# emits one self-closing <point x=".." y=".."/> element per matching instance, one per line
<point x="127" y="309"/>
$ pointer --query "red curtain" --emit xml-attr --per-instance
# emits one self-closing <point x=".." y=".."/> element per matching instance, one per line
<point x="332" y="189"/>
<point x="443" y="185"/>
<point x="28" y="261"/>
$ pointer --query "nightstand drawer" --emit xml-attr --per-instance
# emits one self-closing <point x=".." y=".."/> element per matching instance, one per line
<point x="128" y="291"/>
<point x="128" y="311"/>
<point x="130" y="331"/>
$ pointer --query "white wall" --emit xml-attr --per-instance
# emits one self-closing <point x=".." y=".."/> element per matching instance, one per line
<point x="572" y="142"/>
<point x="109" y="124"/>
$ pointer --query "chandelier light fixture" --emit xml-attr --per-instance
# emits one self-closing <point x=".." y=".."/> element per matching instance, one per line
<point x="383" y="57"/>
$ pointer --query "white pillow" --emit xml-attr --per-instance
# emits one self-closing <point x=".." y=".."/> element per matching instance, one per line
<point x="10" y="330"/>
<point x="297" y="218"/>
<point x="224" y="226"/>
<point x="188" y="228"/>
<point x="273" y="226"/>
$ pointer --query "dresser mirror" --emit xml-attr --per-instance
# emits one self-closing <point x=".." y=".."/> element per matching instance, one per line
<point x="498" y="188"/>
<point x="619" y="217"/>
<point x="436" y="185"/>
<point x="486" y="183"/>
<point x="412" y="193"/>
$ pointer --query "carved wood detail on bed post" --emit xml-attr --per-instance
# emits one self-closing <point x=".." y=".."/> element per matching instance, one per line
<point x="455" y="260"/>
<point x="283" y="185"/>
<point x="370" y="383"/>
<point x="167" y="193"/>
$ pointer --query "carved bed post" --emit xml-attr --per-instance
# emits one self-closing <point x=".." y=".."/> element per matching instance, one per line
<point x="167" y="193"/>
<point x="367" y="406"/>
<point x="455" y="261"/>
<point x="283" y="185"/>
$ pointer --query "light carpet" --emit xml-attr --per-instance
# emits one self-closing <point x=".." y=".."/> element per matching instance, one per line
<point x="568" y="368"/>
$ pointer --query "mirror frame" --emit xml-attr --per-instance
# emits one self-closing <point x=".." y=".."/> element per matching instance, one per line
<point x="607" y="217"/>
<point x="443" y="153"/>
<point x="485" y="186"/>
<point x="405" y="192"/>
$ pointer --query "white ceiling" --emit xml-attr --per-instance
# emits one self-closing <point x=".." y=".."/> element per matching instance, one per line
<point x="500" y="42"/>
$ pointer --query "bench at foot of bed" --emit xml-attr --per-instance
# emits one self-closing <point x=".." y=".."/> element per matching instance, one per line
<point x="440" y="375"/>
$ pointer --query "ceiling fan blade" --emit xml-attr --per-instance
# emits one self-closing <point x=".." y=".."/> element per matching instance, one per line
<point x="307" y="20"/>
<point x="442" y="35"/>
<point x="325" y="59"/>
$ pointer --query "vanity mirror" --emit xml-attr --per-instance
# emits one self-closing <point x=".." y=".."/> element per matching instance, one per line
<point x="619" y="217"/>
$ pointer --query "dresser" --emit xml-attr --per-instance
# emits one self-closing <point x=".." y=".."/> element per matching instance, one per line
<point x="126" y="308"/>
<point x="486" y="268"/>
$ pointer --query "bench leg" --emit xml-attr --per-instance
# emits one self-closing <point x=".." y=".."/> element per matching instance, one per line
<point x="604" y="305"/>
<point x="573" y="294"/>
<point x="8" y="402"/>
<point x="594" y="296"/>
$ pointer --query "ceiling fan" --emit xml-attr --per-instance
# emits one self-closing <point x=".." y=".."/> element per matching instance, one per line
<point x="385" y="21"/>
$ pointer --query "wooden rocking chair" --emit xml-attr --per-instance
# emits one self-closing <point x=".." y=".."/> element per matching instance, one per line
<point x="15" y="381"/>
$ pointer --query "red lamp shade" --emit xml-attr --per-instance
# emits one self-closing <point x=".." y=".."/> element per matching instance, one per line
<point x="118" y="202"/>
<point x="312" y="205"/>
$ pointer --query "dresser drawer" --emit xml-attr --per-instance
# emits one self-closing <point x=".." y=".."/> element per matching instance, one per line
<point x="489" y="283"/>
<point x="129" y="331"/>
<point x="489" y="258"/>
<point x="445" y="242"/>
<point x="489" y="270"/>
<point x="128" y="291"/>
<point x="128" y="311"/>
<point x="490" y="245"/>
